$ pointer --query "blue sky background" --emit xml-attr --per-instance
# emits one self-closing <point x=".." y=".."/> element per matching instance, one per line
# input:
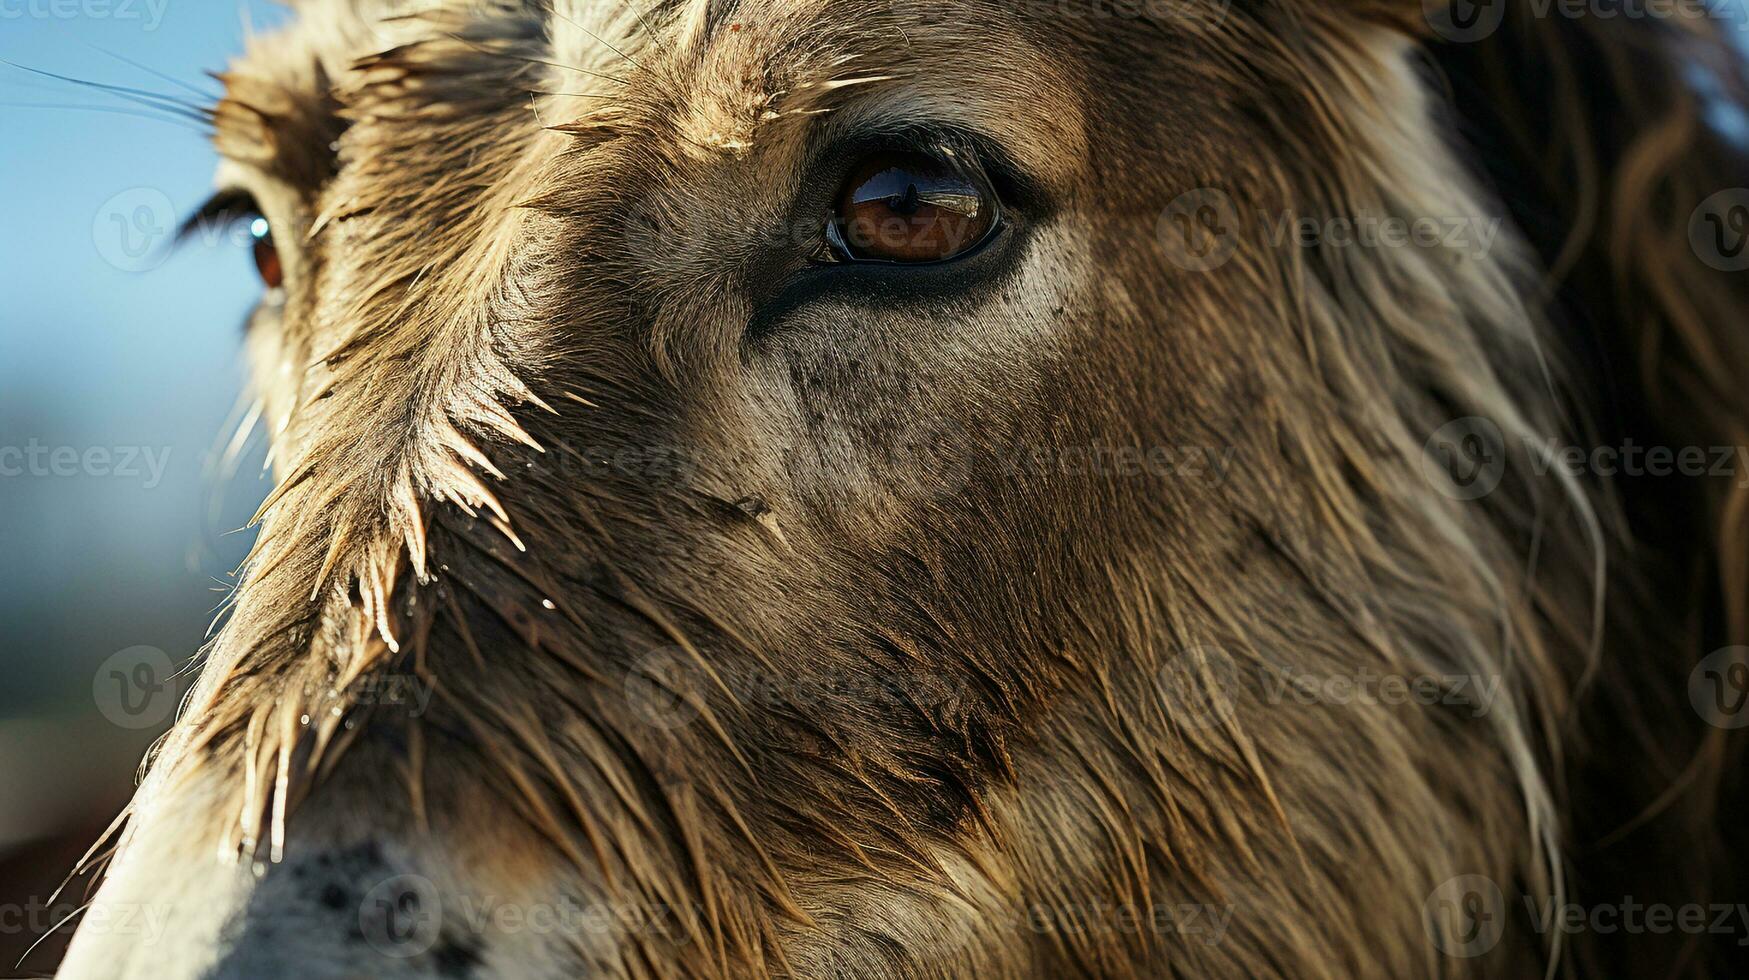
<point x="96" y="355"/>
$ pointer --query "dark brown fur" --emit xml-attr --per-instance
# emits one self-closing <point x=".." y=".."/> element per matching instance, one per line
<point x="927" y="695"/>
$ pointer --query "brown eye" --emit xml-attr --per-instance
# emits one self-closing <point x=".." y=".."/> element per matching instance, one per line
<point x="266" y="253"/>
<point x="911" y="208"/>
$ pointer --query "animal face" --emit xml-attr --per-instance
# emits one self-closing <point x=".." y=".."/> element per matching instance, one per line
<point x="828" y="488"/>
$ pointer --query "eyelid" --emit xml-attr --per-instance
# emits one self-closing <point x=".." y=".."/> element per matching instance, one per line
<point x="225" y="206"/>
<point x="948" y="144"/>
<point x="977" y="153"/>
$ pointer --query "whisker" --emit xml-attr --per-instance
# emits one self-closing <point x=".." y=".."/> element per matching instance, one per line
<point x="610" y="44"/>
<point x="138" y="95"/>
<point x="51" y="931"/>
<point x="163" y="108"/>
<point x="113" y="110"/>
<point x="537" y="61"/>
<point x="148" y="69"/>
<point x="571" y="95"/>
<point x="639" y="14"/>
<point x="584" y="71"/>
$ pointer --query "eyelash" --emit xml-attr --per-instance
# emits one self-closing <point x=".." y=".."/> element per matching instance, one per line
<point x="224" y="208"/>
<point x="980" y="153"/>
<point x="228" y="209"/>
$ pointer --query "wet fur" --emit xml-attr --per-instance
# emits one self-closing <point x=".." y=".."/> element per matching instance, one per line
<point x="1011" y="658"/>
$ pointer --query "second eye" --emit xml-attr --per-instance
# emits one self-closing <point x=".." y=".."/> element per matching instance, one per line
<point x="911" y="208"/>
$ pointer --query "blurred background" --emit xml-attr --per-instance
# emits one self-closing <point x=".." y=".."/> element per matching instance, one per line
<point x="120" y="375"/>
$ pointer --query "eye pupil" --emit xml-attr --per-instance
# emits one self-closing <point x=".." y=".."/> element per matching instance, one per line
<point x="267" y="261"/>
<point x="911" y="208"/>
<point x="908" y="202"/>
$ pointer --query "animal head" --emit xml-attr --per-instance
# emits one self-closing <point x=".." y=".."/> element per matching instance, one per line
<point x="834" y="488"/>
